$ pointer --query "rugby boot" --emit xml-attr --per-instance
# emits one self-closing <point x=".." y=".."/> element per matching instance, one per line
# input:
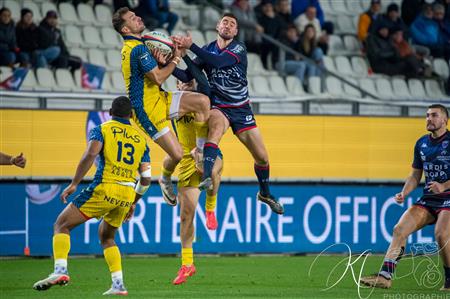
<point x="271" y="202"/>
<point x="183" y="274"/>
<point x="167" y="192"/>
<point x="211" y="221"/>
<point x="53" y="279"/>
<point x="376" y="281"/>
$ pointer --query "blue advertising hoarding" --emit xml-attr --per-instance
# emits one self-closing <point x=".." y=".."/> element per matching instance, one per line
<point x="316" y="216"/>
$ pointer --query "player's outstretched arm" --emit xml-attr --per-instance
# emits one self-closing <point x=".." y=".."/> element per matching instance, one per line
<point x="411" y="183"/>
<point x="93" y="149"/>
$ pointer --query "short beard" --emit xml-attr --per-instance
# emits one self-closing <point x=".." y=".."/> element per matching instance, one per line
<point x="225" y="37"/>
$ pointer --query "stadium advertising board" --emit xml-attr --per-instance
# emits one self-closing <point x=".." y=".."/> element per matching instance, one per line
<point x="316" y="216"/>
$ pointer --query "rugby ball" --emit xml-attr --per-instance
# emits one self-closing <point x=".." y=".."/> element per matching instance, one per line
<point x="158" y="40"/>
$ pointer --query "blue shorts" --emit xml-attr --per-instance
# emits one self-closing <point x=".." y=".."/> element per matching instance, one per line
<point x="434" y="204"/>
<point x="240" y="118"/>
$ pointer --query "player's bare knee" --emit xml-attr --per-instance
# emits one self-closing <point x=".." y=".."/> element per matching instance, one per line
<point x="204" y="105"/>
<point x="399" y="232"/>
<point x="442" y="237"/>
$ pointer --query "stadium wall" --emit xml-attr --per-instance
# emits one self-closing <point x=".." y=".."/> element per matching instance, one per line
<point x="300" y="147"/>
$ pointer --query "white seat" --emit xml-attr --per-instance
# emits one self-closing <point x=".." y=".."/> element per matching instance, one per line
<point x="416" y="89"/>
<point x="343" y="65"/>
<point x="255" y="66"/>
<point x="384" y="88"/>
<point x="86" y="14"/>
<point x="64" y="80"/>
<point x="336" y="46"/>
<point x="339" y="7"/>
<point x="261" y="86"/>
<point x="294" y="86"/>
<point x="103" y="14"/>
<point x="29" y="83"/>
<point x="118" y="84"/>
<point x="95" y="56"/>
<point x="400" y="88"/>
<point x="277" y="86"/>
<point x="352" y="44"/>
<point x="14" y="7"/>
<point x="5" y="72"/>
<point x="434" y="89"/>
<point x="315" y="85"/>
<point x="329" y="63"/>
<point x="106" y="83"/>
<point x="92" y="37"/>
<point x="77" y="77"/>
<point x="45" y="78"/>
<point x="334" y="86"/>
<point x="210" y="35"/>
<point x="210" y="18"/>
<point x="80" y="53"/>
<point x="440" y="66"/>
<point x="68" y="13"/>
<point x="326" y="7"/>
<point x="46" y="6"/>
<point x="31" y="5"/>
<point x="354" y="6"/>
<point x="73" y="37"/>
<point x="114" y="60"/>
<point x="110" y="38"/>
<point x="368" y="85"/>
<point x="359" y="66"/>
<point x="345" y="23"/>
<point x="365" y="4"/>
<point x="198" y="38"/>
<point x="350" y="90"/>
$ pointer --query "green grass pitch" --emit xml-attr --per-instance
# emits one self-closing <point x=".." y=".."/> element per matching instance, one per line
<point x="225" y="277"/>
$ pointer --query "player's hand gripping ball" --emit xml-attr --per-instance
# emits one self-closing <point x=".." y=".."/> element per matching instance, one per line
<point x="160" y="41"/>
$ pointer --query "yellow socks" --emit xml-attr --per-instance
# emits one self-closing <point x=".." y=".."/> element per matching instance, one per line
<point x="201" y="133"/>
<point x="211" y="201"/>
<point x="61" y="248"/>
<point x="187" y="256"/>
<point x="113" y="259"/>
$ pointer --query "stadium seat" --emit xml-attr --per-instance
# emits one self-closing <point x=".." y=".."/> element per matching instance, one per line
<point x="440" y="66"/>
<point x="433" y="89"/>
<point x="368" y="85"/>
<point x="86" y="14"/>
<point x="31" y="5"/>
<point x="77" y="77"/>
<point x="416" y="89"/>
<point x="95" y="56"/>
<point x="329" y="63"/>
<point x="277" y="86"/>
<point x="110" y="38"/>
<point x="46" y="6"/>
<point x="334" y="86"/>
<point x="118" y="84"/>
<point x="114" y="60"/>
<point x="384" y="88"/>
<point x="261" y="86"/>
<point x="5" y="72"/>
<point x="345" y="23"/>
<point x="343" y="65"/>
<point x="211" y="16"/>
<point x="68" y="14"/>
<point x="400" y="88"/>
<point x="106" y="83"/>
<point x="338" y="6"/>
<point x="210" y="35"/>
<point x="14" y="6"/>
<point x="315" y="85"/>
<point x="73" y="37"/>
<point x="45" y="79"/>
<point x="64" y="80"/>
<point x="365" y="4"/>
<point x="359" y="66"/>
<point x="350" y="90"/>
<point x="326" y="7"/>
<point x="254" y="65"/>
<point x="29" y="83"/>
<point x="92" y="37"/>
<point x="294" y="86"/>
<point x="198" y="38"/>
<point x="352" y="44"/>
<point x="354" y="6"/>
<point x="80" y="53"/>
<point x="336" y="46"/>
<point x="103" y="14"/>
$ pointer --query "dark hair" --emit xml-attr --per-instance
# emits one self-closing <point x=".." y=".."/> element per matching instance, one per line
<point x="230" y="15"/>
<point x="117" y="19"/>
<point x="441" y="107"/>
<point x="121" y="107"/>
<point x="3" y="9"/>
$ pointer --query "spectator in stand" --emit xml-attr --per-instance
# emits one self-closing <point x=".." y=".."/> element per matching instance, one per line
<point x="9" y="52"/>
<point x="305" y="44"/>
<point x="367" y="19"/>
<point x="283" y="10"/>
<point x="27" y="35"/>
<point x="393" y="20"/>
<point x="310" y="18"/>
<point x="299" y="7"/>
<point x="273" y="27"/>
<point x="410" y="10"/>
<point x="443" y="23"/>
<point x="160" y="10"/>
<point x="247" y="25"/>
<point x="414" y="62"/>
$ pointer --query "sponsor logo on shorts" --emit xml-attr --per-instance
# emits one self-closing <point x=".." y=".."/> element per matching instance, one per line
<point x="117" y="202"/>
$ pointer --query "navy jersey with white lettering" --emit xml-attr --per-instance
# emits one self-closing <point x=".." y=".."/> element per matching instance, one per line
<point x="228" y="83"/>
<point x="433" y="156"/>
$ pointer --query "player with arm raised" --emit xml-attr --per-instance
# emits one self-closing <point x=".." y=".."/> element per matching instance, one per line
<point x="122" y="151"/>
<point x="225" y="64"/>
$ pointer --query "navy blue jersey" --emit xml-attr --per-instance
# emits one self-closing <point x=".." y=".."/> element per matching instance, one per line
<point x="433" y="156"/>
<point x="228" y="76"/>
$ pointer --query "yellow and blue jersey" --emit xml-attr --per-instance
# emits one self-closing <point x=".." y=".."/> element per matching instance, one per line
<point x="124" y="149"/>
<point x="150" y="104"/>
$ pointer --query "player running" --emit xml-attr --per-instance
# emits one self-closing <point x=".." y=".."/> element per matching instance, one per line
<point x="225" y="63"/>
<point x="152" y="107"/>
<point x="431" y="157"/>
<point x="122" y="151"/>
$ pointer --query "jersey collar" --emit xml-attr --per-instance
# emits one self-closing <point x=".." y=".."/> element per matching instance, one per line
<point x="122" y="120"/>
<point x="439" y="139"/>
<point x="129" y="37"/>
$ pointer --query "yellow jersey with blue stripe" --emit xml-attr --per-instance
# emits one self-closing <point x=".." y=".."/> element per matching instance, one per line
<point x="150" y="104"/>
